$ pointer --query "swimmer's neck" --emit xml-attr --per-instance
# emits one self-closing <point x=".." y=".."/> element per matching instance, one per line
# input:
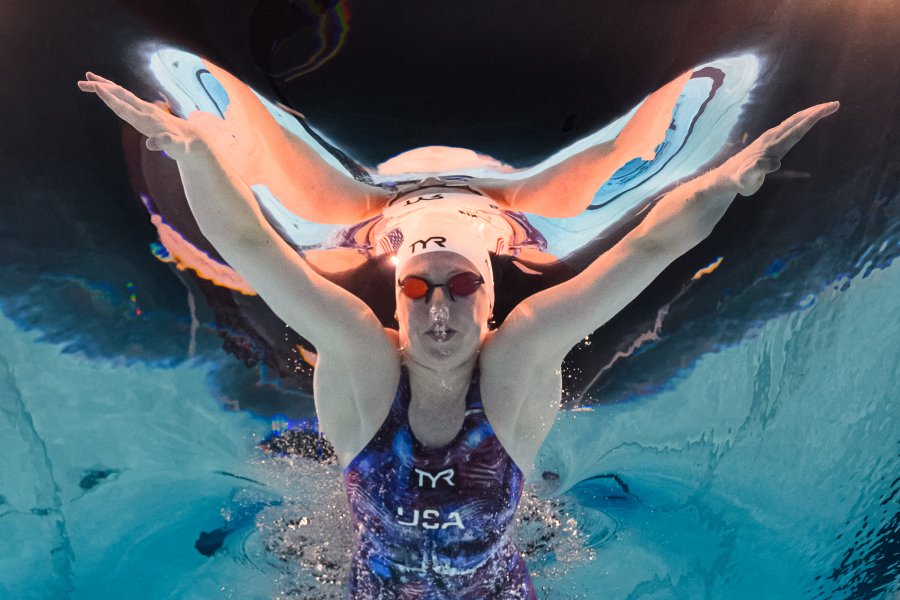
<point x="438" y="386"/>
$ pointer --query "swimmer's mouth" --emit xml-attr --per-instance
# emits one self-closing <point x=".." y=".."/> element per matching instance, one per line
<point x="442" y="336"/>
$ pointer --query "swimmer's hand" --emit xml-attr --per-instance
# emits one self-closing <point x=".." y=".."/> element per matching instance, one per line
<point x="165" y="132"/>
<point x="249" y="145"/>
<point x="745" y="172"/>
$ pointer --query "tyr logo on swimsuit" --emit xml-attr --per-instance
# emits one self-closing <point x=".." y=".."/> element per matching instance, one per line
<point x="446" y="475"/>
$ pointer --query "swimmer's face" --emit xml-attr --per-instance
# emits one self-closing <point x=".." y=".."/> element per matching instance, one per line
<point x="440" y="332"/>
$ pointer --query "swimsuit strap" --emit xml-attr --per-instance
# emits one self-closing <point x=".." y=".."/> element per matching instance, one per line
<point x="473" y="394"/>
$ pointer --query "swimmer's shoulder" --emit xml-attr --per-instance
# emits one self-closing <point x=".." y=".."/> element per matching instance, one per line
<point x="520" y="394"/>
<point x="353" y="400"/>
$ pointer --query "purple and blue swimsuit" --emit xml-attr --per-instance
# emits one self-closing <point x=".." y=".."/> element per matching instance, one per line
<point x="431" y="523"/>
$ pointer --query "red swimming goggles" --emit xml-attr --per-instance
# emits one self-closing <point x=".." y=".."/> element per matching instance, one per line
<point x="461" y="284"/>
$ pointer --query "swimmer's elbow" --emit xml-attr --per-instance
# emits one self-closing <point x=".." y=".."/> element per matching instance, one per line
<point x="241" y="249"/>
<point x="251" y="235"/>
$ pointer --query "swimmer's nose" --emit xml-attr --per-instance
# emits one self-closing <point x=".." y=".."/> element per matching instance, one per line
<point x="440" y="297"/>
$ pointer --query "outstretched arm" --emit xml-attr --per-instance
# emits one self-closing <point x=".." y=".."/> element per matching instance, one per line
<point x="540" y="331"/>
<point x="550" y="323"/>
<point x="357" y="366"/>
<point x="566" y="189"/>
<point x="344" y="330"/>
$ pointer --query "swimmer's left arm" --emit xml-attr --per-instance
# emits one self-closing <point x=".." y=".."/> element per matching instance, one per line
<point x="550" y="323"/>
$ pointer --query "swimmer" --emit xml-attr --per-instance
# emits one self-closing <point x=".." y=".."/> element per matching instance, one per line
<point x="437" y="424"/>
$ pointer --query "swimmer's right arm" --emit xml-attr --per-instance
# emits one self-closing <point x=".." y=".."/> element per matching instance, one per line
<point x="557" y="318"/>
<point x="357" y="367"/>
<point x="539" y="332"/>
<point x="335" y="321"/>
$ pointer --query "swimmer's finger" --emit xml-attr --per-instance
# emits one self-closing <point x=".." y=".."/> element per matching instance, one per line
<point x="94" y="77"/>
<point x="117" y="98"/>
<point x="791" y="122"/>
<point x="123" y="109"/>
<point x="148" y="124"/>
<point x="90" y="78"/>
<point x="784" y="137"/>
<point x="127" y="97"/>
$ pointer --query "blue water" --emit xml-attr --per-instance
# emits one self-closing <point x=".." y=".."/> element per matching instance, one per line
<point x="773" y="462"/>
<point x="770" y="464"/>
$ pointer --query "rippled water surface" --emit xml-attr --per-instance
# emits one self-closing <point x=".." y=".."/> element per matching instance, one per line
<point x="772" y="460"/>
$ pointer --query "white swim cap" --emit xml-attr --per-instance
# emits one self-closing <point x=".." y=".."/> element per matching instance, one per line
<point x="447" y="230"/>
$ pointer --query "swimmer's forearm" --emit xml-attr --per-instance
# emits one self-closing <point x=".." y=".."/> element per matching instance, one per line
<point x="229" y="216"/>
<point x="686" y="215"/>
<point x="559" y="317"/>
<point x="222" y="204"/>
<point x="555" y="319"/>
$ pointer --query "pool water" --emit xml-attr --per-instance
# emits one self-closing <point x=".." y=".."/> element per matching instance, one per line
<point x="768" y="464"/>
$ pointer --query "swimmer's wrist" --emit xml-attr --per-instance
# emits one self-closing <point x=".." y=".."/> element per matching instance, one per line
<point x="196" y="145"/>
<point x="197" y="152"/>
<point x="722" y="181"/>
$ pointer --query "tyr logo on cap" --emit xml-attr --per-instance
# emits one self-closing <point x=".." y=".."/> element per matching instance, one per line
<point x="439" y="240"/>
